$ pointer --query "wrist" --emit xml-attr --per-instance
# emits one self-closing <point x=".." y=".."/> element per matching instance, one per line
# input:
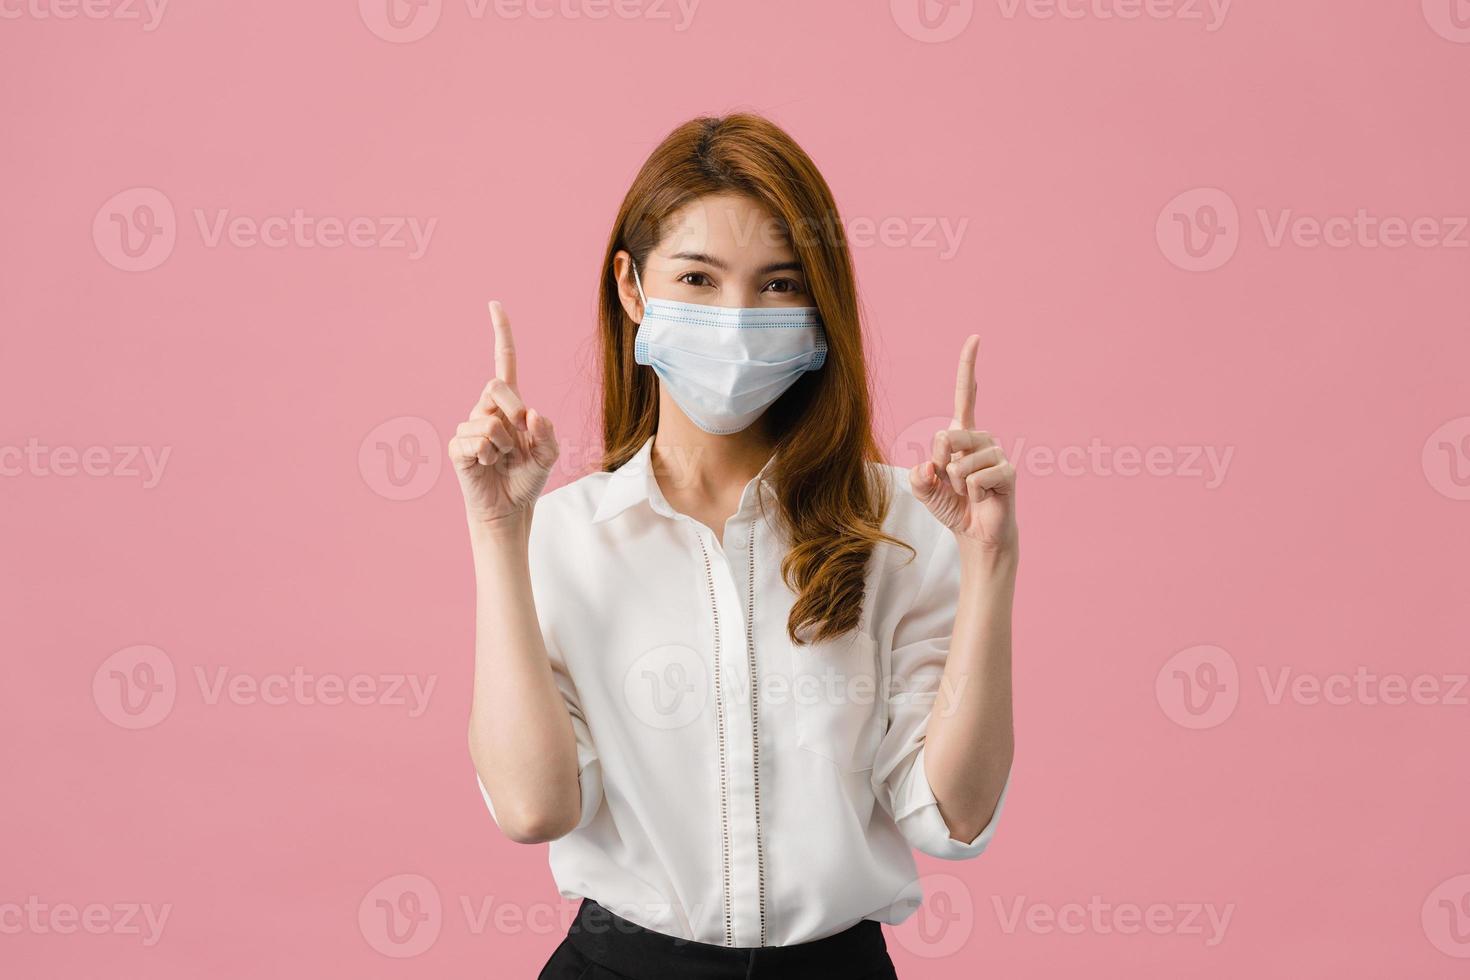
<point x="988" y="561"/>
<point x="499" y="531"/>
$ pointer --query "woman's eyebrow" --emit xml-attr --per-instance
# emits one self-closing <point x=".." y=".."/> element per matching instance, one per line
<point x="788" y="266"/>
<point x="792" y="266"/>
<point x="701" y="258"/>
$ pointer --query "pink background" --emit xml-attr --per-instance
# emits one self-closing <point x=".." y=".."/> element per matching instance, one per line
<point x="271" y="543"/>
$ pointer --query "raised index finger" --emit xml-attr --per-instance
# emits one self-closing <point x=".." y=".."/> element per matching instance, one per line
<point x="964" y="384"/>
<point x="505" y="345"/>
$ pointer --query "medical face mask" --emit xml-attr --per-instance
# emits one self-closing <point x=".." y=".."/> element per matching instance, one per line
<point x="725" y="366"/>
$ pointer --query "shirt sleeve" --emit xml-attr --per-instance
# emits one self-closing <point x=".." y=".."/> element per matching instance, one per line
<point x="543" y="552"/>
<point x="915" y="668"/>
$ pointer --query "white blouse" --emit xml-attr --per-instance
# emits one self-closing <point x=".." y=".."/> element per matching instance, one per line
<point x="739" y="789"/>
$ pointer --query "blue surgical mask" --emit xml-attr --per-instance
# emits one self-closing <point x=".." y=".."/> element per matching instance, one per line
<point x="724" y="366"/>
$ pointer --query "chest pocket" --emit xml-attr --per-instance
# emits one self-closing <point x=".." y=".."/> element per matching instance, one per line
<point x="837" y="691"/>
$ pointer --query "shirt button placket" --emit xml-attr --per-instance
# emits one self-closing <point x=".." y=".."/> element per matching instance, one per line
<point x="738" y="705"/>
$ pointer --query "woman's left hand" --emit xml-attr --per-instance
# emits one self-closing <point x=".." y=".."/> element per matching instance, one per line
<point x="968" y="483"/>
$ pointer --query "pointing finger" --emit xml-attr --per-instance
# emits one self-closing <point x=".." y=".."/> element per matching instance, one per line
<point x="964" y="385"/>
<point x="505" y="345"/>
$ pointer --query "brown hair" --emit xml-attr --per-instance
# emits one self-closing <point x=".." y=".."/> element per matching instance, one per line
<point x="831" y="501"/>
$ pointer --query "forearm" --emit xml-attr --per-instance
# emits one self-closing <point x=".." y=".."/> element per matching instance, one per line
<point x="970" y="739"/>
<point x="521" y="737"/>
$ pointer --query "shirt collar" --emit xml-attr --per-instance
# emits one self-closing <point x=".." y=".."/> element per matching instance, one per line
<point x="634" y="482"/>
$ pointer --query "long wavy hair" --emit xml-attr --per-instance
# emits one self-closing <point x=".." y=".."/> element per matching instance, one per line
<point x="831" y="500"/>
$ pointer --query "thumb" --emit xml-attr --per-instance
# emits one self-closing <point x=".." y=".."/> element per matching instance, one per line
<point x="544" y="449"/>
<point x="924" y="481"/>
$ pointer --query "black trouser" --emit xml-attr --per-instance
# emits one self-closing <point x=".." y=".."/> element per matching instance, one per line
<point x="602" y="946"/>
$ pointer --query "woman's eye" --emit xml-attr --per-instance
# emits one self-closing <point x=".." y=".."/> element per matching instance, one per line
<point x="783" y="286"/>
<point x="695" y="279"/>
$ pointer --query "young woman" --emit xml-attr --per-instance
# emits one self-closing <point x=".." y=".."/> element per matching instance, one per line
<point x="738" y="674"/>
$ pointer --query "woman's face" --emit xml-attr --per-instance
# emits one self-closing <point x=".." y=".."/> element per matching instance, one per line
<point x="720" y="250"/>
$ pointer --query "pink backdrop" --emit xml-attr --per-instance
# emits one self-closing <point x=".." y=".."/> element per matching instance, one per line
<point x="1218" y="257"/>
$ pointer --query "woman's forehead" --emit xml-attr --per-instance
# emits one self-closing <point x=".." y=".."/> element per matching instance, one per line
<point x="730" y="226"/>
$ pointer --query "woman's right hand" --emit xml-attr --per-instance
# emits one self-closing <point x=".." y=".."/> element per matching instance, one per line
<point x="504" y="451"/>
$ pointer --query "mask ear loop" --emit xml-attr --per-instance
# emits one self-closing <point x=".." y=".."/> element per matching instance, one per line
<point x="639" y="283"/>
